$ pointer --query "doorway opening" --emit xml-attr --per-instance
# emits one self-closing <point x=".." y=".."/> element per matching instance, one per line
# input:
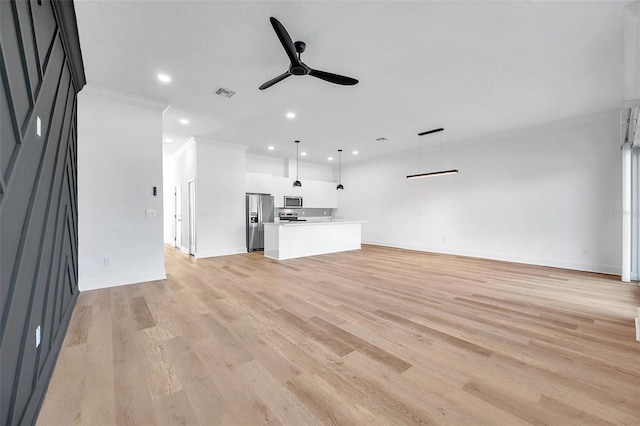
<point x="177" y="217"/>
<point x="192" y="217"/>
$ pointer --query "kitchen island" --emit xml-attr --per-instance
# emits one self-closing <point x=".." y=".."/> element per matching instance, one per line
<point x="284" y="240"/>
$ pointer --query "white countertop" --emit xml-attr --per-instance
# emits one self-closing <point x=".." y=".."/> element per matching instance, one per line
<point x="308" y="223"/>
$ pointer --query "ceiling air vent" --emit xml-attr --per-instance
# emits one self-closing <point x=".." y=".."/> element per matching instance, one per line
<point x="382" y="139"/>
<point x="224" y="92"/>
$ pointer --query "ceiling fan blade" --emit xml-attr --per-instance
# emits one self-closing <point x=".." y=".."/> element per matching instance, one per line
<point x="275" y="80"/>
<point x="333" y="78"/>
<point x="285" y="39"/>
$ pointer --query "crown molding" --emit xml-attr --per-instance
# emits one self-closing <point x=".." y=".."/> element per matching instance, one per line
<point x="104" y="93"/>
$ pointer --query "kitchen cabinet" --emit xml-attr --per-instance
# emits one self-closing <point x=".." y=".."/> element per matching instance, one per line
<point x="316" y="194"/>
<point x="327" y="195"/>
<point x="311" y="193"/>
<point x="258" y="182"/>
<point x="281" y="187"/>
<point x="278" y="190"/>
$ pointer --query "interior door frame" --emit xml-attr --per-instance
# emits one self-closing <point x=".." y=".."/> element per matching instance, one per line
<point x="191" y="229"/>
<point x="177" y="216"/>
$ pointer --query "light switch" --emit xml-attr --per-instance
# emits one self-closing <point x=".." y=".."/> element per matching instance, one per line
<point x="151" y="213"/>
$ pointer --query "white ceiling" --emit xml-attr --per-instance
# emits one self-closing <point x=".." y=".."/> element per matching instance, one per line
<point x="474" y="68"/>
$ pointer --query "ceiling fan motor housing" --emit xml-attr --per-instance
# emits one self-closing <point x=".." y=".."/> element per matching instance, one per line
<point x="299" y="69"/>
<point x="300" y="46"/>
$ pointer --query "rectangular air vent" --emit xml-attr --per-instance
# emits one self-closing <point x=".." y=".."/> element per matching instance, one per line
<point x="224" y="92"/>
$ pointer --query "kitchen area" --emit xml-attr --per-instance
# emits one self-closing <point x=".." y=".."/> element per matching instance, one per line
<point x="226" y="223"/>
<point x="293" y="231"/>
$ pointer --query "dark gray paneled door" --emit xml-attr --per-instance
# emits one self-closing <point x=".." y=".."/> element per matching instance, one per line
<point x="38" y="197"/>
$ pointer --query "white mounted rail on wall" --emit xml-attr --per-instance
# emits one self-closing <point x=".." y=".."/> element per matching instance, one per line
<point x="630" y="137"/>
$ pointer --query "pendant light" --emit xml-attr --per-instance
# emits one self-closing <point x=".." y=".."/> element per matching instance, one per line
<point x="297" y="183"/>
<point x="340" y="187"/>
<point x="438" y="173"/>
<point x="441" y="173"/>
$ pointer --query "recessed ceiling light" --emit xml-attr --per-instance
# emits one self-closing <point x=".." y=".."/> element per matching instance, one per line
<point x="355" y="152"/>
<point x="271" y="148"/>
<point x="330" y="158"/>
<point x="164" y="78"/>
<point x="303" y="153"/>
<point x="168" y="140"/>
<point x="184" y="121"/>
<point x="291" y="115"/>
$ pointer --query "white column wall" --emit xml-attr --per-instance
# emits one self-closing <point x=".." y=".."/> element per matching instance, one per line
<point x="119" y="163"/>
<point x="548" y="195"/>
<point x="220" y="223"/>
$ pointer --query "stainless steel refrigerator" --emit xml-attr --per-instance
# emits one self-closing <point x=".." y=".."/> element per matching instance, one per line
<point x="259" y="211"/>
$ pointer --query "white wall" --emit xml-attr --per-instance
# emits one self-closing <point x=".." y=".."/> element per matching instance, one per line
<point x="220" y="223"/>
<point x="286" y="167"/>
<point x="263" y="164"/>
<point x="632" y="51"/>
<point x="541" y="195"/>
<point x="311" y="171"/>
<point x="119" y="163"/>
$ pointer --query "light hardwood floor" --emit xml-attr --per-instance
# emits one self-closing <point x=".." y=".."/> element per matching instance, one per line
<point x="376" y="336"/>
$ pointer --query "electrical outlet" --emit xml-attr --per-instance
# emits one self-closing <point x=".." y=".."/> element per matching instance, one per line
<point x="37" y="336"/>
<point x="151" y="213"/>
<point x="106" y="261"/>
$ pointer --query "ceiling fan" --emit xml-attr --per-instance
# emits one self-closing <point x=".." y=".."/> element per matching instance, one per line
<point x="298" y="67"/>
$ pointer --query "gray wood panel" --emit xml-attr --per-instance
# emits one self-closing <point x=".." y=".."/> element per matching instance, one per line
<point x="38" y="203"/>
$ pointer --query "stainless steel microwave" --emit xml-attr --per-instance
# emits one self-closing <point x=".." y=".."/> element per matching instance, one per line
<point x="292" y="202"/>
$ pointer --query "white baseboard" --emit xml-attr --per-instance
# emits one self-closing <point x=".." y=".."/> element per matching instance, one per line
<point x="185" y="250"/>
<point x="604" y="269"/>
<point x="118" y="280"/>
<point x="220" y="252"/>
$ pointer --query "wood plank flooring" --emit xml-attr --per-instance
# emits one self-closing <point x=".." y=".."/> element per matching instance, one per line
<point x="378" y="336"/>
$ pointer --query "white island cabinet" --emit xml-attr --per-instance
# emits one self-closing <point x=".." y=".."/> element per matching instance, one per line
<point x="284" y="240"/>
